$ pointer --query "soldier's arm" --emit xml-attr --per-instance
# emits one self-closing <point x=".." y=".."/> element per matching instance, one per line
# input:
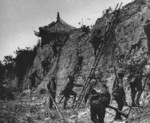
<point x="94" y="95"/>
<point x="48" y="86"/>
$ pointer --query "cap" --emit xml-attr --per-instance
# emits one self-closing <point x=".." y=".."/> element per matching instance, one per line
<point x="98" y="74"/>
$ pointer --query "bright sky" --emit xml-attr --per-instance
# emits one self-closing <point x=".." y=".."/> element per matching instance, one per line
<point x="18" y="18"/>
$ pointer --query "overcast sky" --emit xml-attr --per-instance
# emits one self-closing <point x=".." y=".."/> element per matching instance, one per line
<point x="18" y="18"/>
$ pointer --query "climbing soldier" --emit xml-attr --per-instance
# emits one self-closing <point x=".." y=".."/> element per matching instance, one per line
<point x="68" y="90"/>
<point x="45" y="64"/>
<point x="96" y="40"/>
<point x="98" y="99"/>
<point x="51" y="86"/>
<point x="32" y="78"/>
<point x="56" y="45"/>
<point x="80" y="61"/>
<point x="135" y="79"/>
<point x="118" y="92"/>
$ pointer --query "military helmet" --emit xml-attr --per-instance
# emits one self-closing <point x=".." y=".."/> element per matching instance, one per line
<point x="98" y="74"/>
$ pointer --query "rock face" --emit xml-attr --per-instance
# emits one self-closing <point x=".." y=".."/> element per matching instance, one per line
<point x="128" y="38"/>
<point x="129" y="41"/>
<point x="63" y="47"/>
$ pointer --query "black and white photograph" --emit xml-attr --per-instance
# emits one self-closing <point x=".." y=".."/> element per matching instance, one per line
<point x="74" y="61"/>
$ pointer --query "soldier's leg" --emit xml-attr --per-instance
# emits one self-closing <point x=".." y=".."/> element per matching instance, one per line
<point x="139" y="92"/>
<point x="65" y="102"/>
<point x="93" y="114"/>
<point x="133" y="93"/>
<point x="50" y="102"/>
<point x="120" y="103"/>
<point x="101" y="113"/>
<point x="53" y="100"/>
<point x="137" y="98"/>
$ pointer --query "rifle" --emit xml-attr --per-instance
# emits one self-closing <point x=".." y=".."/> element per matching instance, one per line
<point x="117" y="110"/>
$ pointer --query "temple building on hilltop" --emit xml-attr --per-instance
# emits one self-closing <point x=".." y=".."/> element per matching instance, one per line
<point x="58" y="30"/>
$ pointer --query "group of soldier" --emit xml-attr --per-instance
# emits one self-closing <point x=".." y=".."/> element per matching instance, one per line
<point x="100" y="100"/>
<point x="67" y="92"/>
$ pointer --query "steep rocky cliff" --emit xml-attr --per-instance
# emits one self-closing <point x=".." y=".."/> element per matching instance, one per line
<point x="127" y="43"/>
<point x="128" y="31"/>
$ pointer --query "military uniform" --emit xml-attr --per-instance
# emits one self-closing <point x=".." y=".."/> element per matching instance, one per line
<point x="98" y="102"/>
<point x="68" y="90"/>
<point x="80" y="60"/>
<point x="118" y="93"/>
<point x="51" y="86"/>
<point x="135" y="80"/>
<point x="54" y="47"/>
<point x="45" y="64"/>
<point x="32" y="79"/>
<point x="96" y="40"/>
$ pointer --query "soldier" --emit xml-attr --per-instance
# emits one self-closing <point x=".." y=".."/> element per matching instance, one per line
<point x="96" y="40"/>
<point x="135" y="79"/>
<point x="99" y="100"/>
<point x="118" y="92"/>
<point x="80" y="61"/>
<point x="51" y="86"/>
<point x="45" y="64"/>
<point x="68" y="90"/>
<point x="32" y="79"/>
<point x="54" y="47"/>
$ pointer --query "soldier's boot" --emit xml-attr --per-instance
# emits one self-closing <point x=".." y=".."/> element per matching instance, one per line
<point x="137" y="98"/>
<point x="118" y="116"/>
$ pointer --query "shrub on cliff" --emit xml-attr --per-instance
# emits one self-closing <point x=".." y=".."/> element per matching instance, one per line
<point x="85" y="29"/>
<point x="2" y="71"/>
<point x="24" y="60"/>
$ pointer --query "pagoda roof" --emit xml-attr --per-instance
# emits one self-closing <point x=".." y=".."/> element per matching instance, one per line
<point x="60" y="26"/>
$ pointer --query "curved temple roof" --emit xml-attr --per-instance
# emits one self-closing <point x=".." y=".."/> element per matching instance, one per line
<point x="59" y="26"/>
